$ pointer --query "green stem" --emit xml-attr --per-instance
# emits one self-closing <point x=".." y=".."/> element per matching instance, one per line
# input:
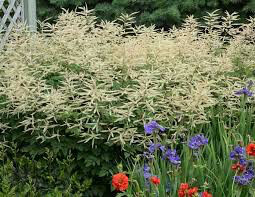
<point x="232" y="187"/>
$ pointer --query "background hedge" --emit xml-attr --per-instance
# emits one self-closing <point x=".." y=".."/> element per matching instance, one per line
<point x="163" y="13"/>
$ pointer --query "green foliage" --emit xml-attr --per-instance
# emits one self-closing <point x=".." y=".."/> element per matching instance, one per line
<point x="71" y="168"/>
<point x="53" y="79"/>
<point x="242" y="70"/>
<point x="163" y="13"/>
<point x="52" y="8"/>
<point x="29" y="176"/>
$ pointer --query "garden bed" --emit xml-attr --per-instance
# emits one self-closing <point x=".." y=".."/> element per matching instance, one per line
<point x="74" y="99"/>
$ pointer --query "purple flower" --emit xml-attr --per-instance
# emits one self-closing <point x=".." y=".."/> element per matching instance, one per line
<point x="241" y="180"/>
<point x="146" y="171"/>
<point x="197" y="141"/>
<point x="172" y="156"/>
<point x="153" y="147"/>
<point x="246" y="178"/>
<point x="249" y="173"/>
<point x="238" y="154"/>
<point x="242" y="161"/>
<point x="244" y="91"/>
<point x="162" y="148"/>
<point x="147" y="175"/>
<point x="152" y="126"/>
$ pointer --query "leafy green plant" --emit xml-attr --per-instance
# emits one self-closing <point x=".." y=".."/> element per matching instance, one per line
<point x="26" y="174"/>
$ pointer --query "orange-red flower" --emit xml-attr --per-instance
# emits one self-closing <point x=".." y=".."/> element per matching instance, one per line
<point x="181" y="193"/>
<point x="155" y="180"/>
<point x="192" y="191"/>
<point x="184" y="190"/>
<point x="206" y="194"/>
<point x="120" y="181"/>
<point x="238" y="167"/>
<point x="184" y="186"/>
<point x="250" y="149"/>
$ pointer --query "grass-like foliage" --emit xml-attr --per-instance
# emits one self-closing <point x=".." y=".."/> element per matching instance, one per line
<point x="87" y="89"/>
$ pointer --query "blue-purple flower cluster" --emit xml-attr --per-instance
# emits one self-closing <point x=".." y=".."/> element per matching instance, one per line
<point x="146" y="171"/>
<point x="167" y="154"/>
<point x="172" y="156"/>
<point x="152" y="127"/>
<point x="239" y="155"/>
<point x="197" y="141"/>
<point x="246" y="177"/>
<point x="246" y="90"/>
<point x="147" y="175"/>
<point x="153" y="147"/>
